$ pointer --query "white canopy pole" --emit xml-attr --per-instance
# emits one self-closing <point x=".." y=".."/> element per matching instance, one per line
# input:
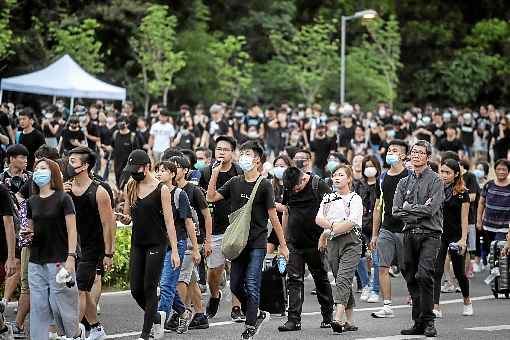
<point x="1" y="93"/>
<point x="71" y="106"/>
<point x="54" y="99"/>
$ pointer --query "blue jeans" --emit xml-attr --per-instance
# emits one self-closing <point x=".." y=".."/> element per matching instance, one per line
<point x="375" y="272"/>
<point x="245" y="279"/>
<point x="168" y="298"/>
<point x="363" y="271"/>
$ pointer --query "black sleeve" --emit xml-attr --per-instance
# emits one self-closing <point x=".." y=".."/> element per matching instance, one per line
<point x="199" y="199"/>
<point x="226" y="188"/>
<point x="68" y="205"/>
<point x="268" y="192"/>
<point x="5" y="202"/>
<point x="25" y="189"/>
<point x="4" y="120"/>
<point x="323" y="188"/>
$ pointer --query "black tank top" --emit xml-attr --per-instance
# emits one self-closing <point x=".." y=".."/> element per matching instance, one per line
<point x="148" y="222"/>
<point x="88" y="224"/>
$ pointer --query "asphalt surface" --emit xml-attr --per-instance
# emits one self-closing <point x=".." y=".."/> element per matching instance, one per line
<point x="123" y="319"/>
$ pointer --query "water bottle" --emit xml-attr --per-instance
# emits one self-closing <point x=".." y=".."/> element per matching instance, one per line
<point x="63" y="276"/>
<point x="482" y="252"/>
<point x="282" y="264"/>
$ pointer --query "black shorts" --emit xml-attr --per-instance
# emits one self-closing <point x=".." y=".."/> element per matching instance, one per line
<point x="86" y="274"/>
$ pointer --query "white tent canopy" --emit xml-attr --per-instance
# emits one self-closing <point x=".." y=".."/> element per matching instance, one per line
<point x="63" y="78"/>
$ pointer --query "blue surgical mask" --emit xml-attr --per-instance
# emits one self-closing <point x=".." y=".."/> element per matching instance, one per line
<point x="391" y="133"/>
<point x="246" y="163"/>
<point x="331" y="165"/>
<point x="200" y="164"/>
<point x="41" y="177"/>
<point x="479" y="173"/>
<point x="392" y="159"/>
<point x="278" y="171"/>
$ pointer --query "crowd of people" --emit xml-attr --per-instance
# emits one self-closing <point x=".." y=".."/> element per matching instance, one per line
<point x="365" y="195"/>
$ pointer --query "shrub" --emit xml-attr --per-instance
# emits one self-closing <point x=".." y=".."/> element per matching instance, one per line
<point x="118" y="276"/>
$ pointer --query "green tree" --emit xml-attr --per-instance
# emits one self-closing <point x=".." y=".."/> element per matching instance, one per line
<point x="154" y="45"/>
<point x="233" y="68"/>
<point x="6" y="34"/>
<point x="309" y="55"/>
<point x="80" y="42"/>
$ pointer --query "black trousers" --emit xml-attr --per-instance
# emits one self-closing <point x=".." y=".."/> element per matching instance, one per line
<point x="459" y="269"/>
<point x="146" y="264"/>
<point x="420" y="253"/>
<point x="316" y="263"/>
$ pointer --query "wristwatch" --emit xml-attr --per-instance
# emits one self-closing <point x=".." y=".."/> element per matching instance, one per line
<point x="108" y="255"/>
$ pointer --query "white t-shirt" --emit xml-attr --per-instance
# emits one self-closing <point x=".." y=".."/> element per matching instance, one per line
<point x="163" y="134"/>
<point x="336" y="208"/>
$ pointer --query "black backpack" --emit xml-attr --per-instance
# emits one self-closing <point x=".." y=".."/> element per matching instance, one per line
<point x="98" y="181"/>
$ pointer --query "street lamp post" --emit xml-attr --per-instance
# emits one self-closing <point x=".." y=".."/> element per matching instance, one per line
<point x="367" y="15"/>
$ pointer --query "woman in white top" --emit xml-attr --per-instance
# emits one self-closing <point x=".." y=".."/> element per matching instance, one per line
<point x="340" y="214"/>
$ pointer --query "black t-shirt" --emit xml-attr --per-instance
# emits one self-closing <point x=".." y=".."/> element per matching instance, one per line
<point x="93" y="130"/>
<point x="122" y="145"/>
<point x="321" y="148"/>
<point x="446" y="145"/>
<point x="467" y="132"/>
<point x="46" y="130"/>
<point x="49" y="244"/>
<point x="186" y="141"/>
<point x="302" y="231"/>
<point x="368" y="193"/>
<point x="14" y="183"/>
<point x="221" y="209"/>
<point x="501" y="147"/>
<point x="438" y="131"/>
<point x="238" y="191"/>
<point x="68" y="136"/>
<point x="473" y="188"/>
<point x="32" y="141"/>
<point x="250" y="121"/>
<point x="106" y="134"/>
<point x="88" y="224"/>
<point x="148" y="223"/>
<point x="452" y="212"/>
<point x="345" y="135"/>
<point x="198" y="202"/>
<point x="389" y="185"/>
<point x="5" y="210"/>
<point x="181" y="214"/>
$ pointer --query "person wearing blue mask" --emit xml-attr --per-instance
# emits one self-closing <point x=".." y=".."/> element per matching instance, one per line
<point x="387" y="237"/>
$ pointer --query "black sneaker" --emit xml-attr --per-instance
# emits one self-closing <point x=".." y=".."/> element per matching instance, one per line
<point x="325" y="324"/>
<point x="172" y="323"/>
<point x="263" y="316"/>
<point x="199" y="321"/>
<point x="212" y="306"/>
<point x="417" y="329"/>
<point x="249" y="333"/>
<point x="430" y="331"/>
<point x="184" y="320"/>
<point x="290" y="326"/>
<point x="18" y="333"/>
<point x="237" y="315"/>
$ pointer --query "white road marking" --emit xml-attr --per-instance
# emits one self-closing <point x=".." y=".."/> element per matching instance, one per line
<point x="395" y="337"/>
<point x="489" y="328"/>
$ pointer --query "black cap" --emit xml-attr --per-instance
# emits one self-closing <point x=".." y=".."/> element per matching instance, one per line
<point x="137" y="158"/>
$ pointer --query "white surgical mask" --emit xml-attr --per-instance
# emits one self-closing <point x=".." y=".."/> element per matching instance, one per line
<point x="246" y="163"/>
<point x="278" y="171"/>
<point x="370" y="171"/>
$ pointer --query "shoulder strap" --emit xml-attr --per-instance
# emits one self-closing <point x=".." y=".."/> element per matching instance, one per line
<point x="177" y="195"/>
<point x="132" y="137"/>
<point x="381" y="179"/>
<point x="315" y="187"/>
<point x="93" y="193"/>
<point x="254" y="191"/>
<point x="115" y="134"/>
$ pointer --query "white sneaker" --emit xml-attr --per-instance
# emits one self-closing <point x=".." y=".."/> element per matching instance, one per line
<point x="98" y="309"/>
<point x="53" y="336"/>
<point x="365" y="293"/>
<point x="159" y="328"/>
<point x="438" y="313"/>
<point x="467" y="310"/>
<point x="97" y="333"/>
<point x="385" y="312"/>
<point x="476" y="267"/>
<point x="83" y="334"/>
<point x="373" y="297"/>
<point x="448" y="288"/>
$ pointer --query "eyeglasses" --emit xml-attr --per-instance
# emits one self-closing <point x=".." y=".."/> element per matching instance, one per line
<point x="301" y="159"/>
<point x="223" y="150"/>
<point x="416" y="152"/>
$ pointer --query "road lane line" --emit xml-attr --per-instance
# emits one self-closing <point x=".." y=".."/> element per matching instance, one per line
<point x="397" y="337"/>
<point x="489" y="328"/>
<point x="226" y="323"/>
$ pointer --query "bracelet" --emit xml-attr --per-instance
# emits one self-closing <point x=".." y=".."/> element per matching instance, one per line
<point x="71" y="255"/>
<point x="331" y="227"/>
<point x="109" y="255"/>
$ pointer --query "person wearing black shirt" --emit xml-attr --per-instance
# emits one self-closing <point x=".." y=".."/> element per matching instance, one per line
<point x="94" y="222"/>
<point x="345" y="133"/>
<point x="277" y="133"/>
<point x="225" y="147"/>
<point x="387" y="237"/>
<point x="455" y="231"/>
<point x="32" y="139"/>
<point x="451" y="142"/>
<point x="124" y="142"/>
<point x="437" y="127"/>
<point x="148" y="205"/>
<point x="502" y="139"/>
<point x="321" y="146"/>
<point x="216" y="127"/>
<point x="52" y="222"/>
<point x="128" y="113"/>
<point x="246" y="271"/>
<point x="72" y="136"/>
<point x="302" y="234"/>
<point x="7" y="244"/>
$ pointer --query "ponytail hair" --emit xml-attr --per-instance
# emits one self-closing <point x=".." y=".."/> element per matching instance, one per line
<point x="458" y="181"/>
<point x="132" y="192"/>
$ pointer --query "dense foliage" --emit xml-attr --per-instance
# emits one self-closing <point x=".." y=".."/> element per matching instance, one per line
<point x="445" y="52"/>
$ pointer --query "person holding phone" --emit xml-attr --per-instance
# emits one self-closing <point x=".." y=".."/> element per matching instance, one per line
<point x="455" y="231"/>
<point x="148" y="206"/>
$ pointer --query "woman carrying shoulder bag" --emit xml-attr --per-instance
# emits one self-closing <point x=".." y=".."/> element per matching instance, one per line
<point x="148" y="205"/>
<point x="340" y="214"/>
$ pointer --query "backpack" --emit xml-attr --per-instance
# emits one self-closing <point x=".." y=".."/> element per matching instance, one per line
<point x="194" y="215"/>
<point x="98" y="181"/>
<point x="132" y="136"/>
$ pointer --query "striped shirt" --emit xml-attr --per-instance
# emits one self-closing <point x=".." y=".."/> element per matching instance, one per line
<point x="496" y="217"/>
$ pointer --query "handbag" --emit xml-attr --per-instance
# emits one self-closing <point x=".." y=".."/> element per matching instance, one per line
<point x="238" y="230"/>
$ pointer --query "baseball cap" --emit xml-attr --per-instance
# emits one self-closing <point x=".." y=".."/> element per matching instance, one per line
<point x="137" y="158"/>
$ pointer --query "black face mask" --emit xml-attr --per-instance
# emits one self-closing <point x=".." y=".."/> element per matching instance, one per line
<point x="138" y="176"/>
<point x="71" y="171"/>
<point x="300" y="164"/>
<point x="121" y="126"/>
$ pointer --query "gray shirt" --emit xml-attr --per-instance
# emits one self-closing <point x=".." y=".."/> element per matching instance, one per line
<point x="418" y="201"/>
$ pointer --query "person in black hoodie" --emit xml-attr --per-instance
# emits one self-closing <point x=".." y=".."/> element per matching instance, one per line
<point x="302" y="196"/>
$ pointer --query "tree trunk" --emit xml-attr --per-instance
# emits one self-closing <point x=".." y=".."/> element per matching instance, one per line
<point x="165" y="96"/>
<point x="145" y="92"/>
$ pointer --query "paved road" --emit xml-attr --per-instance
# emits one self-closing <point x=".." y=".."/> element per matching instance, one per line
<point x="122" y="318"/>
